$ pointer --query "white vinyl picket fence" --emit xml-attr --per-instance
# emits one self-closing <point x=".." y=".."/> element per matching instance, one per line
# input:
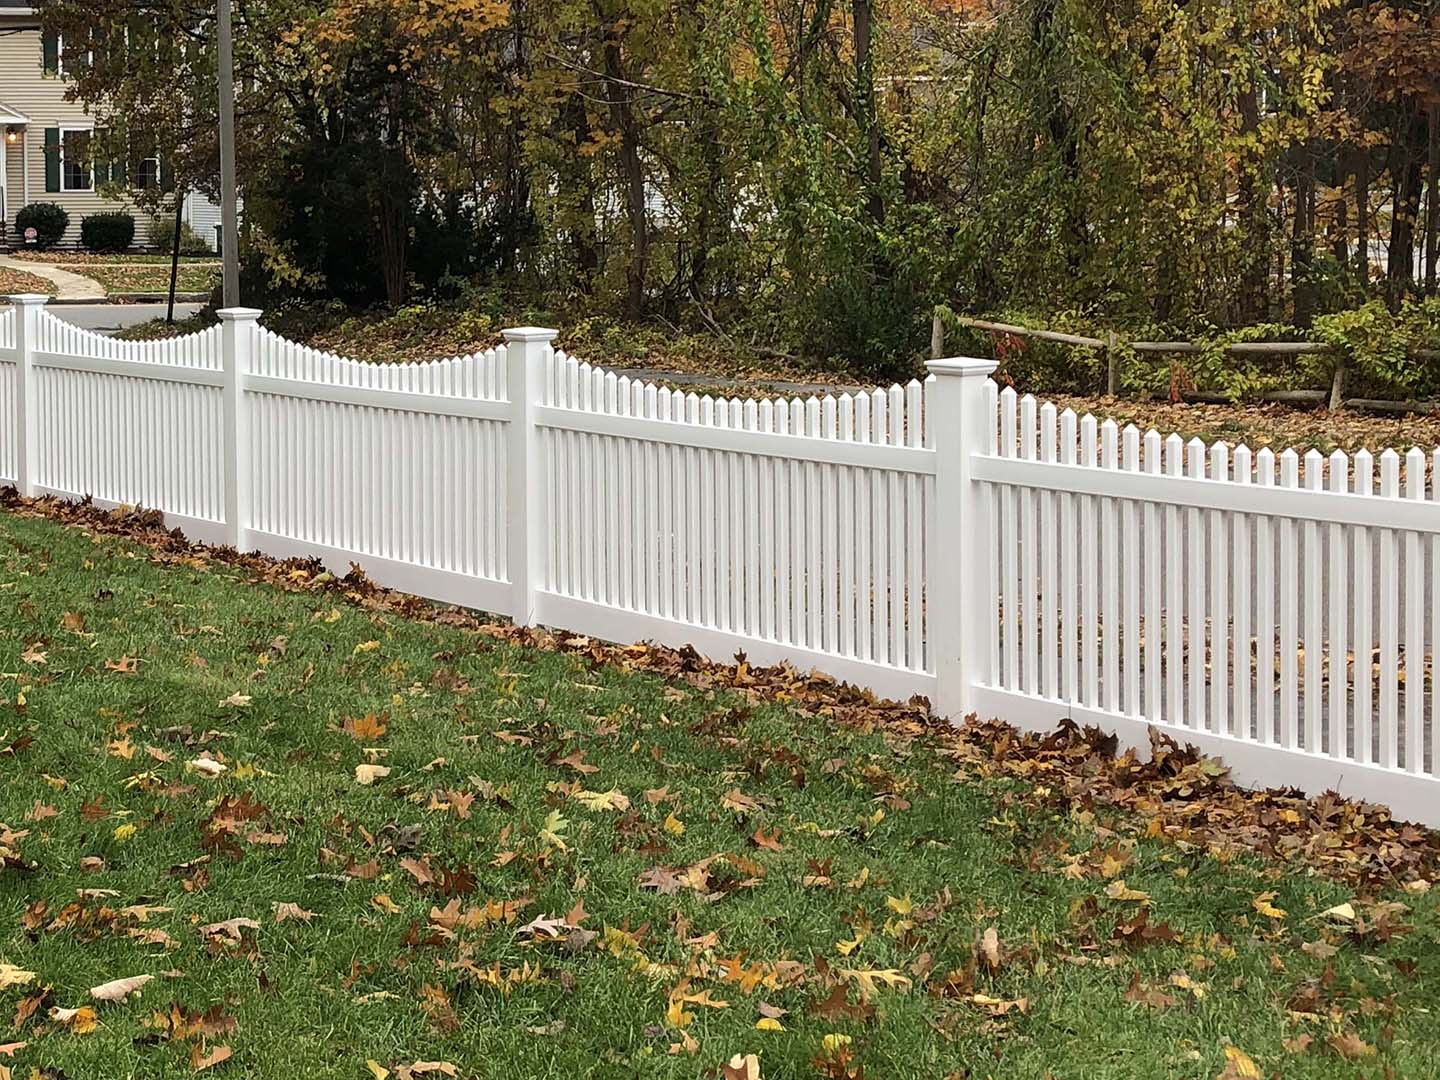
<point x="939" y="538"/>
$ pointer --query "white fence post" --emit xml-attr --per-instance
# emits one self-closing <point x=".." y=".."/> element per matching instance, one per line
<point x="958" y="611"/>
<point x="237" y="340"/>
<point x="525" y="350"/>
<point x="27" y="416"/>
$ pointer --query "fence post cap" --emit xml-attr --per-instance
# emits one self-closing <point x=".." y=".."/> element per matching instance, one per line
<point x="529" y="333"/>
<point x="962" y="365"/>
<point x="238" y="314"/>
<point x="28" y="299"/>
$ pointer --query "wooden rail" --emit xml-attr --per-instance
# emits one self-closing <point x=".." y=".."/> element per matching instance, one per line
<point x="1333" y="399"/>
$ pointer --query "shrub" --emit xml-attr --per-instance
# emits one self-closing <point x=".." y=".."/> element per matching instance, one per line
<point x="48" y="219"/>
<point x="161" y="235"/>
<point x="108" y="232"/>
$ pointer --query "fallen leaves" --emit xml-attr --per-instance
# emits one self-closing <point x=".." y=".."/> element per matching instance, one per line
<point x="119" y="989"/>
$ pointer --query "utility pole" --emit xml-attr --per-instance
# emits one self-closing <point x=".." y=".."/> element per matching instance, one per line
<point x="229" y="216"/>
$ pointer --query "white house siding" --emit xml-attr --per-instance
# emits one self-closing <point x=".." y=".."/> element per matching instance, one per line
<point x="25" y="89"/>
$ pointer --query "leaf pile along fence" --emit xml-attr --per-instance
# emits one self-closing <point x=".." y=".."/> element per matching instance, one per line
<point x="940" y="538"/>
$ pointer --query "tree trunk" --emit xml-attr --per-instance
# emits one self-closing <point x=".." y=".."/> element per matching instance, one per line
<point x="1362" y="213"/>
<point x="867" y="109"/>
<point x="1401" y="269"/>
<point x="175" y="253"/>
<point x="1253" y="230"/>
<point x="622" y="118"/>
<point x="1432" y="213"/>
<point x="1302" y="235"/>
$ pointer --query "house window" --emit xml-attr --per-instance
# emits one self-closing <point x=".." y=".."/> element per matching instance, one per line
<point x="76" y="173"/>
<point x="147" y="173"/>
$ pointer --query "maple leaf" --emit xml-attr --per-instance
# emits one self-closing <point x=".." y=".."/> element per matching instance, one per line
<point x="119" y="989"/>
<point x="418" y="869"/>
<point x="367" y="728"/>
<point x="285" y="910"/>
<point x="1153" y="996"/>
<point x="614" y="799"/>
<point x="236" y="700"/>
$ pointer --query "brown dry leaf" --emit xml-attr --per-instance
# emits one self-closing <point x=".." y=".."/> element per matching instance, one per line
<point x="119" y="989"/>
<point x="741" y="1067"/>
<point x="200" y="1060"/>
<point x="419" y="869"/>
<point x="10" y="975"/>
<point x="1149" y="994"/>
<point x="285" y="910"/>
<point x="1350" y="1046"/>
<point x="737" y="800"/>
<point x="425" y="1068"/>
<point x="12" y="1048"/>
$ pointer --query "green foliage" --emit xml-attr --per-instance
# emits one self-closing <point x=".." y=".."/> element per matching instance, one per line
<point x="161" y="234"/>
<point x="1381" y="344"/>
<point x="109" y="232"/>
<point x="48" y="219"/>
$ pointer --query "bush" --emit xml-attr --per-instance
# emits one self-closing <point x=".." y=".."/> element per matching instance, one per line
<point x="161" y="234"/>
<point x="109" y="232"/>
<point x="48" y="219"/>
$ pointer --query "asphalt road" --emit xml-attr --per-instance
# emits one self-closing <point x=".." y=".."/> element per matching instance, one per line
<point x="107" y="318"/>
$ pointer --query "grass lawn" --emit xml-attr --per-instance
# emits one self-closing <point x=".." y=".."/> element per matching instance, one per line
<point x="135" y="273"/>
<point x="429" y="844"/>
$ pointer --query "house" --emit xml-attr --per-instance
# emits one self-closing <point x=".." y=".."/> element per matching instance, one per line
<point x="45" y="142"/>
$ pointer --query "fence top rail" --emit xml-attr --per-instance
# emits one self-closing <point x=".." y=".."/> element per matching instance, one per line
<point x="1040" y="446"/>
<point x="890" y="416"/>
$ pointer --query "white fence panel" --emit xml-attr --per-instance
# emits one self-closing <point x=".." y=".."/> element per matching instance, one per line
<point x="789" y="529"/>
<point x="9" y="405"/>
<point x="1288" y="622"/>
<point x="130" y="422"/>
<point x="399" y="468"/>
<point x="937" y="538"/>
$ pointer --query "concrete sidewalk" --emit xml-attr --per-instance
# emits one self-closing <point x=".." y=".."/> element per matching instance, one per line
<point x="71" y="287"/>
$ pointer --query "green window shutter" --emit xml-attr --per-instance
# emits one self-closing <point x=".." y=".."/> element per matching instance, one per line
<point x="52" y="159"/>
<point x="167" y="176"/>
<point x="102" y="171"/>
<point x="117" y="170"/>
<point x="50" y="54"/>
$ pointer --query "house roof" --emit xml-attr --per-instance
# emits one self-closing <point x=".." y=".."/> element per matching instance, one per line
<point x="9" y="115"/>
<point x="17" y="5"/>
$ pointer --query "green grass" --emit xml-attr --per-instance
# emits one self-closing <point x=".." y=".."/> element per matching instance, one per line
<point x="919" y="866"/>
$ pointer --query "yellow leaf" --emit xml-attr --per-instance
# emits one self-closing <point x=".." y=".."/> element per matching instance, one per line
<point x="368" y="774"/>
<point x="1118" y="890"/>
<point x="673" y="825"/>
<point x="366" y="646"/>
<point x="1238" y="1066"/>
<point x="378" y="1071"/>
<point x="1263" y="905"/>
<point x="834" y="1042"/>
<point x="676" y="1016"/>
<point x="768" y="1023"/>
<point x="125" y="832"/>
